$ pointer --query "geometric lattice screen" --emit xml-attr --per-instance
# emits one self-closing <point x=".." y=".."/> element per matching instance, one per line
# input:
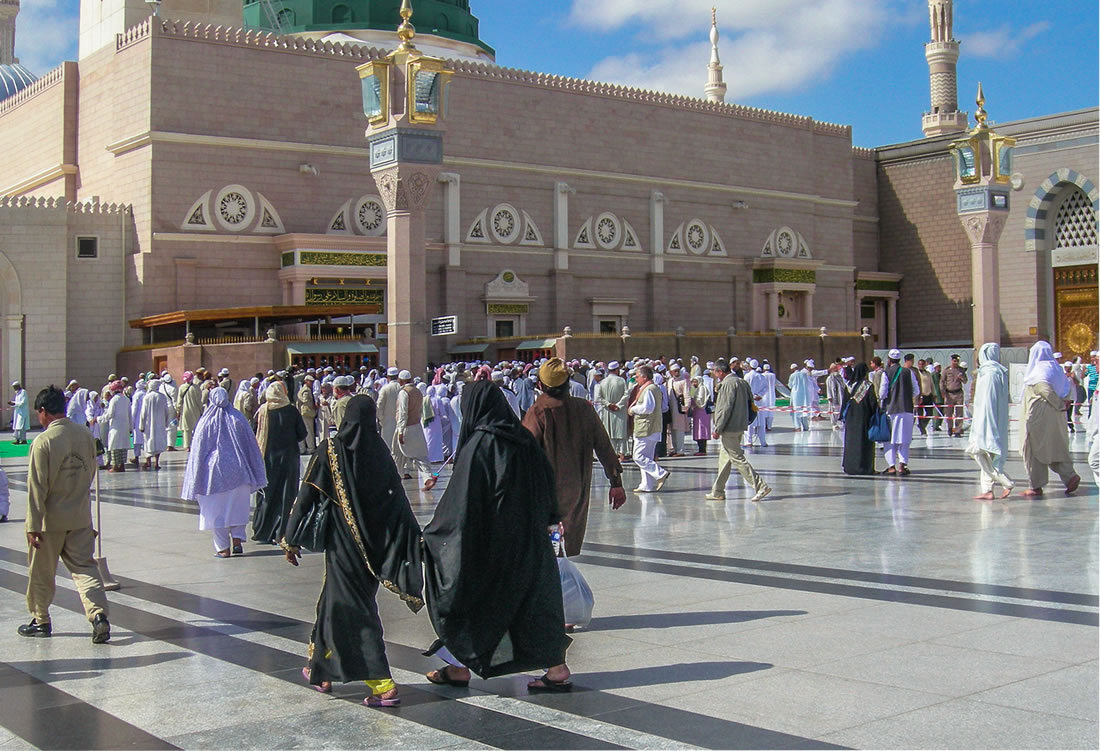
<point x="1075" y="224"/>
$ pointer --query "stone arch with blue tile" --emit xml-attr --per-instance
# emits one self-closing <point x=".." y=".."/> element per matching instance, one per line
<point x="1035" y="226"/>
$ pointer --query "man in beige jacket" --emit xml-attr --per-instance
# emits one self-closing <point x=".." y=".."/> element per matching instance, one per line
<point x="731" y="419"/>
<point x="59" y="517"/>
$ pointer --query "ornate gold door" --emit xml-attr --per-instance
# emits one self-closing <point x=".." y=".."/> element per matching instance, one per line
<point x="1077" y="310"/>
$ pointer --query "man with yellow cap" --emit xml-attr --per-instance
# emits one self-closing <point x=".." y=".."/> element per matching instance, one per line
<point x="569" y="430"/>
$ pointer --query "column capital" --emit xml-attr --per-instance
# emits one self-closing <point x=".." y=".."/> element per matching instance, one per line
<point x="984" y="228"/>
<point x="405" y="188"/>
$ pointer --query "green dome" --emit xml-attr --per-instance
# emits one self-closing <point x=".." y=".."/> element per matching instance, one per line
<point x="450" y="19"/>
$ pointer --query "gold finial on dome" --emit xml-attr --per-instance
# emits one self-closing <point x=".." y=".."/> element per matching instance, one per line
<point x="981" y="115"/>
<point x="406" y="31"/>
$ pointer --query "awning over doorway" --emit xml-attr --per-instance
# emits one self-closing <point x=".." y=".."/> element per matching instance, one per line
<point x="267" y="313"/>
<point x="537" y="344"/>
<point x="327" y="347"/>
<point x="469" y="349"/>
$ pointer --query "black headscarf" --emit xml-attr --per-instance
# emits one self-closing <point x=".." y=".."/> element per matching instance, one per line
<point x="354" y="469"/>
<point x="492" y="583"/>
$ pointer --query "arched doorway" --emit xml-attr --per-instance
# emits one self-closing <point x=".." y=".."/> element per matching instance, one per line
<point x="1062" y="223"/>
<point x="11" y="329"/>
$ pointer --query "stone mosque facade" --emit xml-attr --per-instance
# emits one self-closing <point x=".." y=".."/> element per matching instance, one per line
<point x="206" y="182"/>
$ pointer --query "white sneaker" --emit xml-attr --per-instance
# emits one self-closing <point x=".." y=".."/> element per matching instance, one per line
<point x="761" y="495"/>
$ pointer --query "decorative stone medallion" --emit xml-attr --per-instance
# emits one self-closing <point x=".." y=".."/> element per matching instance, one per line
<point x="608" y="231"/>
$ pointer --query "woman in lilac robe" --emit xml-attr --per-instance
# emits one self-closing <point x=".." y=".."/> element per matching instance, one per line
<point x="225" y="467"/>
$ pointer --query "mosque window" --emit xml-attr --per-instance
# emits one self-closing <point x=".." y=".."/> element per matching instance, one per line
<point x="285" y="18"/>
<point x="342" y="14"/>
<point x="1075" y="221"/>
<point x="87" y="247"/>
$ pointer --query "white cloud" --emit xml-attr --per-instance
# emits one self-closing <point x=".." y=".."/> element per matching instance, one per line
<point x="766" y="46"/>
<point x="1004" y="42"/>
<point x="46" y="33"/>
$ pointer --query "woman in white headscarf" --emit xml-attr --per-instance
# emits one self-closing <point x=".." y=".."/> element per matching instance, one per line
<point x="989" y="430"/>
<point x="1044" y="442"/>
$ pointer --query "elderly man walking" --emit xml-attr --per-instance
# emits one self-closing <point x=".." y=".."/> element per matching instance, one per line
<point x="732" y="415"/>
<point x="59" y="518"/>
<point x="646" y="410"/>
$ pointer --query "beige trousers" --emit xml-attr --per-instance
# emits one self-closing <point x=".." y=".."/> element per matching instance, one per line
<point x="732" y="456"/>
<point x="76" y="549"/>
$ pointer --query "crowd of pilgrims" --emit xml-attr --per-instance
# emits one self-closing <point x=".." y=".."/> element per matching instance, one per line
<point x="521" y="437"/>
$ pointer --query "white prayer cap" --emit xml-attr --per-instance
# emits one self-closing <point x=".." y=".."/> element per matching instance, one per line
<point x="255" y="381"/>
<point x="15" y="384"/>
<point x="613" y="365"/>
<point x="754" y="364"/>
<point x="767" y="367"/>
<point x="404" y="375"/>
<point x="363" y="368"/>
<point x="166" y="378"/>
<point x="937" y="365"/>
<point x="695" y="358"/>
<point x="343" y="382"/>
<point x="497" y="375"/>
<point x="309" y="378"/>
<point x="163" y="373"/>
<point x="809" y="363"/>
<point x="674" y="367"/>
<point x="223" y="371"/>
<point x="1057" y="355"/>
<point x="1094" y="353"/>
<point x="272" y="372"/>
<point x="894" y="354"/>
<point x="794" y="366"/>
<point x="391" y="372"/>
<point x="962" y="364"/>
<point x="74" y="383"/>
<point x="710" y="363"/>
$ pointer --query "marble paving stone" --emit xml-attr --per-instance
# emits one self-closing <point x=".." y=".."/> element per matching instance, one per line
<point x="969" y="724"/>
<point x="938" y="669"/>
<point x="1071" y="692"/>
<point x="793" y="700"/>
<point x="1030" y="638"/>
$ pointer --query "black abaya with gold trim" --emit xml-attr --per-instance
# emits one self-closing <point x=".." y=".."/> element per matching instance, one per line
<point x="372" y="537"/>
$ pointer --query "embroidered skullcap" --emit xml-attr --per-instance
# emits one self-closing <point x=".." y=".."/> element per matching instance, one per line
<point x="613" y="365"/>
<point x="404" y="375"/>
<point x="895" y="354"/>
<point x="553" y="372"/>
<point x="754" y="364"/>
<point x="391" y="372"/>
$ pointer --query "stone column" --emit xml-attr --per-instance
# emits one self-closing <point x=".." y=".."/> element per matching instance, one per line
<point x="406" y="189"/>
<point x="452" y="208"/>
<point x="13" y="338"/>
<point x="984" y="230"/>
<point x="562" y="191"/>
<point x="892" y="323"/>
<point x="808" y="309"/>
<point x="657" y="232"/>
<point x="772" y="307"/>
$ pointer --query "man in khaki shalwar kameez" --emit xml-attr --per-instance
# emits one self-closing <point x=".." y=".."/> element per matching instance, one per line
<point x="59" y="517"/>
<point x="1044" y="436"/>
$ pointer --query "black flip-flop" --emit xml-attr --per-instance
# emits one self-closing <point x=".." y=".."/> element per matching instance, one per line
<point x="445" y="680"/>
<point x="544" y="684"/>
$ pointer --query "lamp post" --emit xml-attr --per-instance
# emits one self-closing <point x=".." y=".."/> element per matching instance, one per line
<point x="403" y="101"/>
<point x="983" y="168"/>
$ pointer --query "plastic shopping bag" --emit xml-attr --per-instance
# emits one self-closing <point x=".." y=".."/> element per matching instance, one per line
<point x="576" y="594"/>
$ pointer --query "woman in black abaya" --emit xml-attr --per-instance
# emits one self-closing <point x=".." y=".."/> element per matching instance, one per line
<point x="860" y="407"/>
<point x="493" y="590"/>
<point x="279" y="428"/>
<point x="370" y="537"/>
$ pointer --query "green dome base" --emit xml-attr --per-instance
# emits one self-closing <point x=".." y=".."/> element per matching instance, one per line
<point x="450" y="19"/>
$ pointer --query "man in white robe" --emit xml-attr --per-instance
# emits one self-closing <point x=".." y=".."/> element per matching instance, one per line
<point x="759" y="387"/>
<point x="409" y="445"/>
<point x="613" y="397"/>
<point x="155" y="416"/>
<point x="20" y="414"/>
<point x="771" y="384"/>
<point x="799" y="386"/>
<point x="135" y="420"/>
<point x="387" y="411"/>
<point x="989" y="432"/>
<point x="679" y="398"/>
<point x="118" y="426"/>
<point x="169" y="390"/>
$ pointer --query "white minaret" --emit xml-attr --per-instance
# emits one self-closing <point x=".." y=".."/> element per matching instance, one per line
<point x="716" y="87"/>
<point x="942" y="54"/>
<point x="9" y="9"/>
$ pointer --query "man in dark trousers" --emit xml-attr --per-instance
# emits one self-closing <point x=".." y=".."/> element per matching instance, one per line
<point x="569" y="430"/>
<point x="59" y="517"/>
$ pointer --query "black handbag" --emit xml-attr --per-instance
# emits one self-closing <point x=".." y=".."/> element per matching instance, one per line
<point x="312" y="528"/>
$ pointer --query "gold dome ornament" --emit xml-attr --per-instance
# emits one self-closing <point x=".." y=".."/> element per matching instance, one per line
<point x="406" y="31"/>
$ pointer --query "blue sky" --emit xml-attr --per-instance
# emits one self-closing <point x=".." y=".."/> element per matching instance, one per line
<point x="857" y="62"/>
